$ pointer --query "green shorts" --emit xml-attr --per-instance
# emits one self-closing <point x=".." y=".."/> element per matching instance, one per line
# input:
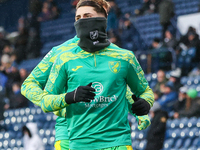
<point x="62" y="145"/>
<point x="125" y="147"/>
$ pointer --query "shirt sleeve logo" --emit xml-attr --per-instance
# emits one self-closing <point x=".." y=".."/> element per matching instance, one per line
<point x="114" y="66"/>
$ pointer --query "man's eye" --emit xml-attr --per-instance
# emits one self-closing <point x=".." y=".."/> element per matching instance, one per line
<point x="88" y="16"/>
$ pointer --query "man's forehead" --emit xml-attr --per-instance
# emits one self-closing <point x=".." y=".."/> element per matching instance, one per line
<point x="85" y="10"/>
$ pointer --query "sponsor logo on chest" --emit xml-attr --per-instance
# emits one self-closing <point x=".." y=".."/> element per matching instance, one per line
<point x="100" y="101"/>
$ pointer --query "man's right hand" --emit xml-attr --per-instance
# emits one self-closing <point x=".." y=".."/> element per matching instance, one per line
<point x="81" y="94"/>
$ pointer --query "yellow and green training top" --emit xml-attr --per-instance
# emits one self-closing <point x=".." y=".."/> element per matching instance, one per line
<point x="103" y="122"/>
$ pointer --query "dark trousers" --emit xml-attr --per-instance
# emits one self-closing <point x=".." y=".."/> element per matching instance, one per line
<point x="154" y="145"/>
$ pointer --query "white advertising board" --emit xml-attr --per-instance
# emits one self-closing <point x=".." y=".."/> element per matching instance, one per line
<point x="185" y="21"/>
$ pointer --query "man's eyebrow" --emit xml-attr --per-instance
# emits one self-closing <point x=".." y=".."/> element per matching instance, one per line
<point x="87" y="13"/>
<point x="83" y="14"/>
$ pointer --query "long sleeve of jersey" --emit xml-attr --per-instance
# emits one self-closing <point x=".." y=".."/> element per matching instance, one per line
<point x="137" y="82"/>
<point x="32" y="87"/>
<point x="52" y="100"/>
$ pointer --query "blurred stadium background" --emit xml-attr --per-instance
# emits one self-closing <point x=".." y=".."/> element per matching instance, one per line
<point x="181" y="133"/>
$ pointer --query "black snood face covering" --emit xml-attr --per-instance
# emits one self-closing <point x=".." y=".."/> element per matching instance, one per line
<point x="92" y="33"/>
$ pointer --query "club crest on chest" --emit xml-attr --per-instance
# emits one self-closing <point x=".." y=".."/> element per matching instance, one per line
<point x="114" y="66"/>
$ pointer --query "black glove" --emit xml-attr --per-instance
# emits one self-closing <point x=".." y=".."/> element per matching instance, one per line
<point x="140" y="107"/>
<point x="81" y="94"/>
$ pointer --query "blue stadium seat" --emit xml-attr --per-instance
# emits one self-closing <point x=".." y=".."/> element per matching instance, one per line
<point x="51" y="140"/>
<point x="40" y="124"/>
<point x="5" y="114"/>
<point x="195" y="141"/>
<point x="135" y="144"/>
<point x="7" y="121"/>
<point x="168" y="125"/>
<point x="184" y="80"/>
<point x="41" y="133"/>
<point x="130" y="117"/>
<point x="140" y="135"/>
<point x="168" y="143"/>
<point x="134" y="126"/>
<point x="5" y="143"/>
<point x="19" y="142"/>
<point x="168" y="133"/>
<point x="17" y="127"/>
<point x="133" y="135"/>
<point x="45" y="141"/>
<point x="142" y="145"/>
<point x="53" y="132"/>
<point x="175" y="123"/>
<point x="24" y="119"/>
<point x="187" y="143"/>
<point x="49" y="117"/>
<point x="184" y="133"/>
<point x="178" y="143"/>
<point x="6" y="135"/>
<point x="176" y="133"/>
<point x="183" y="122"/>
<point x="22" y="111"/>
<point x="12" y="134"/>
<point x="46" y="125"/>
<point x="12" y="143"/>
<point x="27" y="111"/>
<point x="190" y="80"/>
<point x="13" y="120"/>
<point x="17" y="112"/>
<point x="49" y="147"/>
<point x="11" y="113"/>
<point x="196" y="80"/>
<point x="192" y="148"/>
<point x="198" y="144"/>
<point x="30" y="118"/>
<point x="192" y="122"/>
<point x="148" y="77"/>
<point x="52" y="124"/>
<point x="183" y="149"/>
<point x="39" y="111"/>
<point x="19" y="135"/>
<point x="39" y="118"/>
<point x="47" y="133"/>
<point x="1" y="144"/>
<point x="33" y="111"/>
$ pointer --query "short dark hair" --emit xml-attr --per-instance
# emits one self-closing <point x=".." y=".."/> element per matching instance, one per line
<point x="98" y="7"/>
